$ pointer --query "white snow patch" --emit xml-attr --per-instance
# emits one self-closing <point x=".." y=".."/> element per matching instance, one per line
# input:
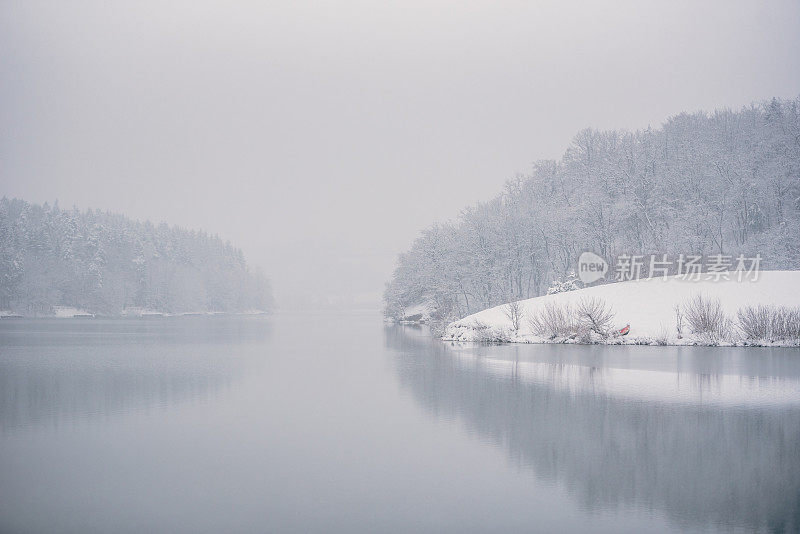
<point x="141" y="312"/>
<point x="68" y="312"/>
<point x="147" y="312"/>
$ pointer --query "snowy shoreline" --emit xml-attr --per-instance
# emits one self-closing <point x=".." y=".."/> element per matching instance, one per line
<point x="647" y="305"/>
<point x="63" y="312"/>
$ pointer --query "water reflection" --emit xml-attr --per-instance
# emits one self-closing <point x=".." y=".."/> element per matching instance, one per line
<point x="57" y="371"/>
<point x="573" y="417"/>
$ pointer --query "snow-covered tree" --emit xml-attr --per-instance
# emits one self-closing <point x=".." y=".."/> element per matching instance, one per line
<point x="727" y="182"/>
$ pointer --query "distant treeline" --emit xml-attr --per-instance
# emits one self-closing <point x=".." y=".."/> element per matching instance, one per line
<point x="104" y="263"/>
<point x="724" y="183"/>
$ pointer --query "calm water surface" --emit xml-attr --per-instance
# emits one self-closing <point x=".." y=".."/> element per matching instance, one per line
<point x="311" y="423"/>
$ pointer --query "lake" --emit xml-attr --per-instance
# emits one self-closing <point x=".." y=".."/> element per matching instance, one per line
<point x="318" y="423"/>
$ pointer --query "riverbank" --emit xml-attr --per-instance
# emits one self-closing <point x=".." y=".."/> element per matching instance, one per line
<point x="654" y="308"/>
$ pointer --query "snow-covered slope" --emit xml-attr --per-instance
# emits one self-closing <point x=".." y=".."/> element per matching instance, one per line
<point x="648" y="305"/>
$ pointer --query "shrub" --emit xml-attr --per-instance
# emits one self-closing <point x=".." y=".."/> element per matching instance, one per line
<point x="771" y="323"/>
<point x="594" y="315"/>
<point x="755" y="322"/>
<point x="553" y="320"/>
<point x="477" y="331"/>
<point x="705" y="317"/>
<point x="662" y="337"/>
<point x="788" y="325"/>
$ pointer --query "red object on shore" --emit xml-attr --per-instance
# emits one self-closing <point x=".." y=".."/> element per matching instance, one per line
<point x="625" y="330"/>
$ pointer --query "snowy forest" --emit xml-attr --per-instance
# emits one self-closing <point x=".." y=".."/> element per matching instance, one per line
<point x="727" y="182"/>
<point x="105" y="263"/>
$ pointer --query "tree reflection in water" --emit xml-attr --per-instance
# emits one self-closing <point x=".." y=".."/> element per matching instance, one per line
<point x="702" y="463"/>
<point x="71" y="370"/>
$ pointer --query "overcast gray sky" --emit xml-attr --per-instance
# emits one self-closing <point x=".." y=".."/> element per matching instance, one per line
<point x="321" y="137"/>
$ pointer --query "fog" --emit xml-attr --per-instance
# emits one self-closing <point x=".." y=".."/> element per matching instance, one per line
<point x="321" y="137"/>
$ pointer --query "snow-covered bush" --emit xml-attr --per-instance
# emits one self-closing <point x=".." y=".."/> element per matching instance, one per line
<point x="707" y="319"/>
<point x="569" y="284"/>
<point x="771" y="323"/>
<point x="788" y="325"/>
<point x="755" y="322"/>
<point x="594" y="315"/>
<point x="554" y="321"/>
<point x="476" y="331"/>
<point x="591" y="320"/>
<point x="662" y="337"/>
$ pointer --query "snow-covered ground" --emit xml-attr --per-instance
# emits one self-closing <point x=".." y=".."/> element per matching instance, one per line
<point x="149" y="313"/>
<point x="648" y="305"/>
<point x="69" y="312"/>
